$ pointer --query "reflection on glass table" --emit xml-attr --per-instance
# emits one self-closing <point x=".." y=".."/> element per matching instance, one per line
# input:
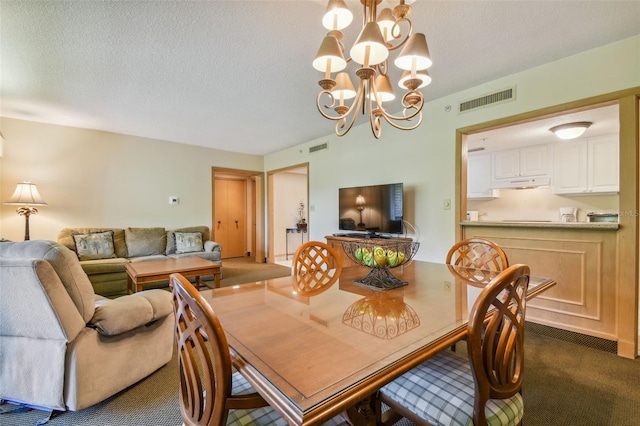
<point x="383" y="314"/>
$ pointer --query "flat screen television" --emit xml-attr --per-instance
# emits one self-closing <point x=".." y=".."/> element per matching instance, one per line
<point x="376" y="209"/>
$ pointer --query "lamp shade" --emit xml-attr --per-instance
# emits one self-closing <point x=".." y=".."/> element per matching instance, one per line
<point x="386" y="21"/>
<point x="415" y="54"/>
<point x="422" y="75"/>
<point x="337" y="15"/>
<point x="344" y="87"/>
<point x="329" y="57"/>
<point x="370" y="48"/>
<point x="384" y="88"/>
<point x="571" y="130"/>
<point x="26" y="193"/>
<point x="360" y="201"/>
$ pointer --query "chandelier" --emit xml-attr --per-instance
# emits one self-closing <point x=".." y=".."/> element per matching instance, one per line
<point x="380" y="35"/>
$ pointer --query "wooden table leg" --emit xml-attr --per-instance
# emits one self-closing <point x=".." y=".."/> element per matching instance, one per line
<point x="198" y="282"/>
<point x="217" y="276"/>
<point x="129" y="284"/>
<point x="139" y="287"/>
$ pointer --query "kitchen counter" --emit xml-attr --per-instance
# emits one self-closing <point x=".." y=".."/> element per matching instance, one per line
<point x="540" y="224"/>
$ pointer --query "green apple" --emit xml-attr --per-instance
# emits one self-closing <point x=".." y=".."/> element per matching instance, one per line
<point x="392" y="258"/>
<point x="368" y="260"/>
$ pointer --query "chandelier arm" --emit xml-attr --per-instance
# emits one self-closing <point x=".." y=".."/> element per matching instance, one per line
<point x="354" y="107"/>
<point x="416" y="106"/>
<point x="341" y="119"/>
<point x="374" y="114"/>
<point x="392" y="47"/>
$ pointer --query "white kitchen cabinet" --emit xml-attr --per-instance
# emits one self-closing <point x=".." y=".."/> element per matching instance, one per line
<point x="528" y="166"/>
<point x="479" y="178"/>
<point x="586" y="166"/>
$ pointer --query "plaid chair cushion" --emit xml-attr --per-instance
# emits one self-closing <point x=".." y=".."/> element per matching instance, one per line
<point x="264" y="415"/>
<point x="441" y="391"/>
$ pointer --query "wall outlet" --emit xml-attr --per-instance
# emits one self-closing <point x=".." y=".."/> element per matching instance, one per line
<point x="174" y="200"/>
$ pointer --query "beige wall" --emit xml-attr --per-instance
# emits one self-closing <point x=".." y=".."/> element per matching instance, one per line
<point x="94" y="178"/>
<point x="424" y="159"/>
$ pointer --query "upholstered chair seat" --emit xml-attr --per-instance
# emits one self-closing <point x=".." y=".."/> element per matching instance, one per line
<point x="441" y="391"/>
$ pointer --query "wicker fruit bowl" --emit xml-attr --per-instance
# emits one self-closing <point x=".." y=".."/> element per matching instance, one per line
<point x="380" y="257"/>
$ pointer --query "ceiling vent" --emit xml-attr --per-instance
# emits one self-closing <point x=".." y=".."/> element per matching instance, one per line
<point x="501" y="96"/>
<point x="318" y="148"/>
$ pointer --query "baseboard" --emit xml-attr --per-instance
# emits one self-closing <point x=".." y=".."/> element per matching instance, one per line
<point x="573" y="337"/>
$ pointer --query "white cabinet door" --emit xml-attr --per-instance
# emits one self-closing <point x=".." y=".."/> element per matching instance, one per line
<point x="586" y="166"/>
<point x="604" y="166"/>
<point x="506" y="164"/>
<point x="534" y="160"/>
<point x="479" y="177"/>
<point x="521" y="167"/>
<point x="569" y="167"/>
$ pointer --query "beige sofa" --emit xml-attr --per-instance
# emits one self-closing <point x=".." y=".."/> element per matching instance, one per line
<point x="62" y="347"/>
<point x="106" y="269"/>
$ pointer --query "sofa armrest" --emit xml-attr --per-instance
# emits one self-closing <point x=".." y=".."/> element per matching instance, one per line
<point x="212" y="246"/>
<point x="129" y="312"/>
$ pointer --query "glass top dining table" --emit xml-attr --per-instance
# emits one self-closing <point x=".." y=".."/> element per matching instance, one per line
<point x="314" y="353"/>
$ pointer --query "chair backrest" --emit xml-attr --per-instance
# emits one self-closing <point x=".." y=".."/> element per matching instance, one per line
<point x="66" y="264"/>
<point x="496" y="338"/>
<point x="478" y="253"/>
<point x="205" y="361"/>
<point x="316" y="266"/>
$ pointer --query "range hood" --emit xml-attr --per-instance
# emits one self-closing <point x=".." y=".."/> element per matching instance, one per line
<point x="522" y="183"/>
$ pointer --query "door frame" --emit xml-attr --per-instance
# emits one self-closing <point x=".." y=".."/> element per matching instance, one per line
<point x="255" y="219"/>
<point x="628" y="266"/>
<point x="272" y="210"/>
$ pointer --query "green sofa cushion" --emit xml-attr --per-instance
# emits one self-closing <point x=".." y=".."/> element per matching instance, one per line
<point x="145" y="241"/>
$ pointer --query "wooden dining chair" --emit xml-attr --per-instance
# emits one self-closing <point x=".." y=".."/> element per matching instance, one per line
<point x="316" y="266"/>
<point x="478" y="253"/>
<point x="483" y="389"/>
<point x="212" y="393"/>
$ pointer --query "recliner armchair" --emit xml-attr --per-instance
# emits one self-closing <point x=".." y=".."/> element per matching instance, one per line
<point x="62" y="347"/>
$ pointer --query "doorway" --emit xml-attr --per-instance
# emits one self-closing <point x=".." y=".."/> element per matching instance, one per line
<point x="287" y="193"/>
<point x="238" y="212"/>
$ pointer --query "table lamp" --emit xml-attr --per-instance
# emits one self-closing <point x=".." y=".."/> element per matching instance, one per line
<point x="26" y="193"/>
<point x="360" y="203"/>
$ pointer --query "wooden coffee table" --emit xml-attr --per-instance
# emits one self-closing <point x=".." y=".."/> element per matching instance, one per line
<point x="141" y="273"/>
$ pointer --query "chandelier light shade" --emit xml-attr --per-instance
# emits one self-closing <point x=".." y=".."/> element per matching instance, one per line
<point x="415" y="54"/>
<point x="571" y="130"/>
<point x="329" y="58"/>
<point x="337" y="16"/>
<point x="370" y="48"/>
<point x="26" y="195"/>
<point x="380" y="36"/>
<point x="422" y="75"/>
<point x="343" y="90"/>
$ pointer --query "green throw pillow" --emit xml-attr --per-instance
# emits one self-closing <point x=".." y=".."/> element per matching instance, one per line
<point x="97" y="245"/>
<point x="188" y="242"/>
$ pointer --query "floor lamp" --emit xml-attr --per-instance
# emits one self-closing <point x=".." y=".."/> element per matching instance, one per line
<point x="26" y="194"/>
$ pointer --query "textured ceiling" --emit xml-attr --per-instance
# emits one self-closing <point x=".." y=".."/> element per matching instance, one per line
<point x="237" y="75"/>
